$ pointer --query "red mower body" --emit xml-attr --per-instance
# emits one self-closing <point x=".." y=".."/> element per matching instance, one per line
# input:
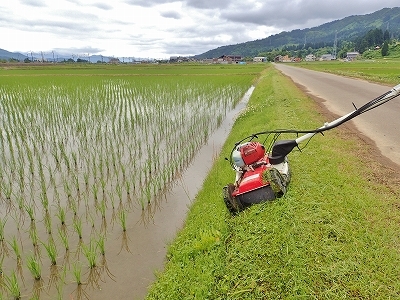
<point x="252" y="179"/>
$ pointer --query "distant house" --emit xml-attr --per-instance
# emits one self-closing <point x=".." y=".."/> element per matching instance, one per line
<point x="283" y="58"/>
<point x="207" y="60"/>
<point x="310" y="57"/>
<point x="327" y="57"/>
<point x="259" y="59"/>
<point x="114" y="60"/>
<point x="230" y="58"/>
<point x="352" y="55"/>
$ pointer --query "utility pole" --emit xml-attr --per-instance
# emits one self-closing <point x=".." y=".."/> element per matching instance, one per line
<point x="335" y="46"/>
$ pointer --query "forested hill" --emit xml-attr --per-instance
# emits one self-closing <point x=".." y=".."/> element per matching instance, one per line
<point x="347" y="29"/>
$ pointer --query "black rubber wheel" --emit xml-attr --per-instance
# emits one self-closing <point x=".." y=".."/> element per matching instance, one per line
<point x="231" y="203"/>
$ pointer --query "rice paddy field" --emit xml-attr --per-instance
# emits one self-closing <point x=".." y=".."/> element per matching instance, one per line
<point x="82" y="148"/>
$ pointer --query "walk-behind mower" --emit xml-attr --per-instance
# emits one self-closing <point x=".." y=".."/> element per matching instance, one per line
<point x="261" y="164"/>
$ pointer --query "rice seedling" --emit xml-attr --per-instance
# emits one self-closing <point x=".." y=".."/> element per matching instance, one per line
<point x="47" y="222"/>
<point x="3" y="243"/>
<point x="77" y="273"/>
<point x="104" y="266"/>
<point x="78" y="227"/>
<point x="21" y="202"/>
<point x="125" y="239"/>
<point x="34" y="267"/>
<point x="61" y="215"/>
<point x="73" y="205"/>
<point x="65" y="241"/>
<point x="35" y="240"/>
<point x="1" y="273"/>
<point x="122" y="219"/>
<point x="31" y="212"/>
<point x="86" y="180"/>
<point x="45" y="202"/>
<point x="67" y="189"/>
<point x="90" y="252"/>
<point x="12" y="286"/>
<point x="17" y="251"/>
<point x="95" y="190"/>
<point x="64" y="238"/>
<point x="61" y="283"/>
<point x="51" y="250"/>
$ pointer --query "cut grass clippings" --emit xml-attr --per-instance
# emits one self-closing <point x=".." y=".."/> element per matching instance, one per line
<point x="335" y="234"/>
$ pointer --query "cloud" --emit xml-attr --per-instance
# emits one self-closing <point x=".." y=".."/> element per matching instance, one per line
<point x="171" y="15"/>
<point x="210" y="4"/>
<point x="103" y="6"/>
<point x="153" y="28"/>
<point x="148" y="3"/>
<point x="75" y="50"/>
<point x="35" y="3"/>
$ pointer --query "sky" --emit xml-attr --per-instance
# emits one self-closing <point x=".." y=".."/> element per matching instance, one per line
<point x="159" y="28"/>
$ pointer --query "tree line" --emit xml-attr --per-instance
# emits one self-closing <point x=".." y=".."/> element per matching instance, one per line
<point x="373" y="39"/>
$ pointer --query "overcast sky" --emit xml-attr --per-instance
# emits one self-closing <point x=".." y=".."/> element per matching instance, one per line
<point x="160" y="28"/>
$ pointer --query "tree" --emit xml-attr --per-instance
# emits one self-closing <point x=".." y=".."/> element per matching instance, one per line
<point x="386" y="36"/>
<point x="385" y="49"/>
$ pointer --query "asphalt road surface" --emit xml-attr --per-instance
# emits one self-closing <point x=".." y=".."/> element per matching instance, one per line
<point x="382" y="124"/>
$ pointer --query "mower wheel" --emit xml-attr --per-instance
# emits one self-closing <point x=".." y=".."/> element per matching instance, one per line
<point x="231" y="203"/>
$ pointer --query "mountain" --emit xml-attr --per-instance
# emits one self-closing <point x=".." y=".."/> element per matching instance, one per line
<point x="4" y="54"/>
<point x="346" y="29"/>
<point x="7" y="55"/>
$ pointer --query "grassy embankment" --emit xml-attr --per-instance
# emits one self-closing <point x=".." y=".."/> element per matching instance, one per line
<point x="333" y="236"/>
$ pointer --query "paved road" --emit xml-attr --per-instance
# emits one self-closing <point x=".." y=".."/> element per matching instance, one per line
<point x="382" y="124"/>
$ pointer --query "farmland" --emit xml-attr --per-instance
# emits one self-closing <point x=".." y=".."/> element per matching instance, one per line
<point x="375" y="70"/>
<point x="85" y="146"/>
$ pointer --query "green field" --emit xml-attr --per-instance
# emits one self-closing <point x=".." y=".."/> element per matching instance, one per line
<point x="385" y="71"/>
<point x="335" y="235"/>
<point x="86" y="149"/>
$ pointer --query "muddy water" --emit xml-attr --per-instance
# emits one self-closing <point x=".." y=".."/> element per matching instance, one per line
<point x="149" y="235"/>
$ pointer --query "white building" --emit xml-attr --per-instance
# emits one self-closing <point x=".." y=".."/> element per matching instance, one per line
<point x="328" y="57"/>
<point x="310" y="57"/>
<point x="352" y="55"/>
<point x="259" y="59"/>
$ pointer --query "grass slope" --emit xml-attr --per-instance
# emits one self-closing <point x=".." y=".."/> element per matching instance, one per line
<point x="333" y="236"/>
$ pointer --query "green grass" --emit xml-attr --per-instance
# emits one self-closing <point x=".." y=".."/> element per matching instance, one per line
<point x="383" y="70"/>
<point x="333" y="236"/>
